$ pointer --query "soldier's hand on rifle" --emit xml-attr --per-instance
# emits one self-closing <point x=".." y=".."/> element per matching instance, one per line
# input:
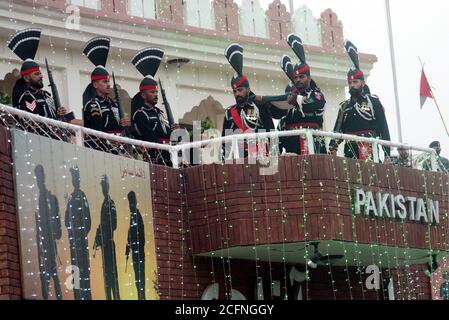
<point x="62" y="111"/>
<point x="125" y="122"/>
<point x="175" y="126"/>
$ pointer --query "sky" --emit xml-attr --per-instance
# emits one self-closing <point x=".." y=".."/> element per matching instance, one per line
<point x="416" y="30"/>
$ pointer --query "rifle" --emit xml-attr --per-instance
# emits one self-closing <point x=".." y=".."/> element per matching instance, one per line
<point x="126" y="266"/>
<point x="55" y="94"/>
<point x="121" y="110"/>
<point x="170" y="118"/>
<point x="98" y="240"/>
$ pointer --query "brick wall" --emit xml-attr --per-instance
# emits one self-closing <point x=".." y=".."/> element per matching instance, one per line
<point x="326" y="283"/>
<point x="10" y="285"/>
<point x="189" y="204"/>
<point x="237" y="196"/>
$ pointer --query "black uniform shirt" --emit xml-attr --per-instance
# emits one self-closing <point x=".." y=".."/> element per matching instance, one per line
<point x="308" y="114"/>
<point x="363" y="117"/>
<point x="151" y="124"/>
<point x="38" y="102"/>
<point x="102" y="114"/>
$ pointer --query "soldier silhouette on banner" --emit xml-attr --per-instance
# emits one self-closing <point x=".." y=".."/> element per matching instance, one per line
<point x="48" y="230"/>
<point x="104" y="238"/>
<point x="78" y="224"/>
<point x="136" y="244"/>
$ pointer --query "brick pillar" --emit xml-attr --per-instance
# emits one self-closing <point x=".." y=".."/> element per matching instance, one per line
<point x="10" y="284"/>
<point x="226" y="16"/>
<point x="170" y="11"/>
<point x="114" y="6"/>
<point x="332" y="31"/>
<point x="279" y="20"/>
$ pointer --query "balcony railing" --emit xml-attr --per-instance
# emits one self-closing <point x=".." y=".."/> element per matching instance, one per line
<point x="181" y="152"/>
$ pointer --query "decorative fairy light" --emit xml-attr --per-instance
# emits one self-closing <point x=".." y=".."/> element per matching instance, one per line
<point x="255" y="226"/>
<point x="342" y="225"/>
<point x="188" y="233"/>
<point x="385" y="232"/>
<point x="303" y="167"/>
<point x="227" y="274"/>
<point x="404" y="291"/>
<point x="391" y="232"/>
<point x="206" y="217"/>
<point x="268" y="226"/>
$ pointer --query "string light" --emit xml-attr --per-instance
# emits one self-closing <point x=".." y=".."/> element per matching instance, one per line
<point x="174" y="213"/>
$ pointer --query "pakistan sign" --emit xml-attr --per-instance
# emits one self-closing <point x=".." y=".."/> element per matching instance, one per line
<point x="392" y="206"/>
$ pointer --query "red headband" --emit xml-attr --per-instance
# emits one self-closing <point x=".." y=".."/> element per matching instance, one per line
<point x="94" y="78"/>
<point x="240" y="82"/>
<point x="355" y="76"/>
<point x="302" y="70"/>
<point x="150" y="87"/>
<point x="28" y="71"/>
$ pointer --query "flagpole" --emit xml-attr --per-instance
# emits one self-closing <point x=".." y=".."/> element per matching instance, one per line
<point x="441" y="115"/>
<point x="393" y="66"/>
<point x="292" y="9"/>
<point x="434" y="99"/>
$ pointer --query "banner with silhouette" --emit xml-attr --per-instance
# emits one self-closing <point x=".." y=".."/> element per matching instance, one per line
<point x="86" y="222"/>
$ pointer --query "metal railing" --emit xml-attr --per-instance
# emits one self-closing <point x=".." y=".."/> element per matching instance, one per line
<point x="180" y="153"/>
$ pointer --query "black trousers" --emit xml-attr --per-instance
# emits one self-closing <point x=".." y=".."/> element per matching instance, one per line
<point x="139" y="272"/>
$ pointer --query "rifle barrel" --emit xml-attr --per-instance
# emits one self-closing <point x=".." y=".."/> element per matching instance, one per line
<point x="170" y="118"/>
<point x="54" y="89"/>
<point x="117" y="97"/>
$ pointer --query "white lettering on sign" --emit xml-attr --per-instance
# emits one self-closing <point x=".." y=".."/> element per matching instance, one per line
<point x="373" y="280"/>
<point x="73" y="280"/>
<point x="387" y="205"/>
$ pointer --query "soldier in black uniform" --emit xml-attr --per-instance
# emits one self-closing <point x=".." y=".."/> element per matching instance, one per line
<point x="362" y="115"/>
<point x="100" y="112"/>
<point x="136" y="244"/>
<point x="104" y="238"/>
<point x="48" y="231"/>
<point x="149" y="121"/>
<point x="307" y="99"/>
<point x="78" y="224"/>
<point x="27" y="93"/>
<point x="250" y="114"/>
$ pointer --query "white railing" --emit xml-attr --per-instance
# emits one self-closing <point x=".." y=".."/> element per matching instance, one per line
<point x="81" y="131"/>
<point x="235" y="141"/>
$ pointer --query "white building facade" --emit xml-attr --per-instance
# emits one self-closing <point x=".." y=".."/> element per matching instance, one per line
<point x="197" y="30"/>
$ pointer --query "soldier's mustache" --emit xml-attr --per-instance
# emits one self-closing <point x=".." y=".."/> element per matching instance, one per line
<point x="241" y="99"/>
<point x="355" y="92"/>
<point x="39" y="84"/>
